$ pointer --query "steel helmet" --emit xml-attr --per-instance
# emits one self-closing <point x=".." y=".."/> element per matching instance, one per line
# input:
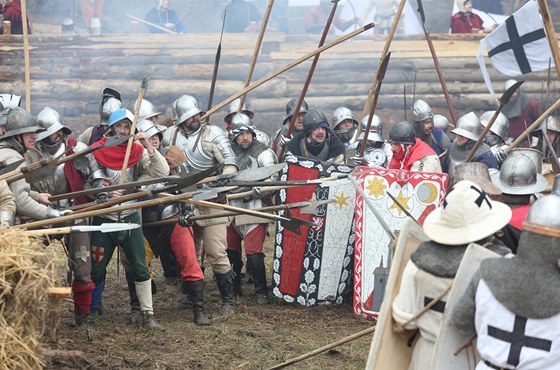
<point x="500" y="127"/>
<point x="403" y="133"/>
<point x="375" y="131"/>
<point x="149" y="128"/>
<point x="291" y="108"/>
<point x="186" y="107"/>
<point x="20" y="121"/>
<point x="441" y="122"/>
<point x="509" y="83"/>
<point x="518" y="176"/>
<point x="468" y="126"/>
<point x="545" y="211"/>
<point x="421" y="111"/>
<point x="147" y="110"/>
<point x="234" y="106"/>
<point x="341" y="114"/>
<point x="240" y="123"/>
<point x="312" y="119"/>
<point x="120" y="115"/>
<point x="551" y="124"/>
<point x="10" y="101"/>
<point x="51" y="121"/>
<point x="108" y="106"/>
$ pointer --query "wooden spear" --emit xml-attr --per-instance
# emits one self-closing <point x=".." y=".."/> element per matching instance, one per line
<point x="152" y="24"/>
<point x="550" y="34"/>
<point x="26" y="56"/>
<point x="295" y="116"/>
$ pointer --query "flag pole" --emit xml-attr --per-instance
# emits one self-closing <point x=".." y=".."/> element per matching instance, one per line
<point x="550" y="34"/>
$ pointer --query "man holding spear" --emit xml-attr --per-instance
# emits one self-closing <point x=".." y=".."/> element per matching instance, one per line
<point x="105" y="167"/>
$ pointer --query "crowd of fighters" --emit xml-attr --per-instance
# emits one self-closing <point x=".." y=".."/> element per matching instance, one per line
<point x="424" y="144"/>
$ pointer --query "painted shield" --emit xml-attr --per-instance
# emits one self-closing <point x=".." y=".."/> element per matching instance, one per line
<point x="315" y="267"/>
<point x="419" y="193"/>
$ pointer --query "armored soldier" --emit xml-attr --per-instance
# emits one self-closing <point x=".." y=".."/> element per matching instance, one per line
<point x="317" y="140"/>
<point x="52" y="143"/>
<point x="110" y="102"/>
<point x="280" y="136"/>
<point x="423" y="120"/>
<point x="250" y="153"/>
<point x="7" y="102"/>
<point x="409" y="152"/>
<point x="499" y="134"/>
<point x="467" y="216"/>
<point x="20" y="136"/>
<point x="191" y="146"/>
<point x="345" y="126"/>
<point x="467" y="132"/>
<point x="105" y="168"/>
<point x="552" y="128"/>
<point x="521" y="111"/>
<point x="233" y="107"/>
<point x="513" y="304"/>
<point x="441" y="122"/>
<point x="377" y="152"/>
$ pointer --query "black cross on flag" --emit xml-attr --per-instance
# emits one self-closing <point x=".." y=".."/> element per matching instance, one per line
<point x="518" y="46"/>
<point x="518" y="339"/>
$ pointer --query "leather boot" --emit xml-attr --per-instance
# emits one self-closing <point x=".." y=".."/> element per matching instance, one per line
<point x="226" y="292"/>
<point x="135" y="313"/>
<point x="144" y="293"/>
<point x="196" y="294"/>
<point x="237" y="265"/>
<point x="255" y="262"/>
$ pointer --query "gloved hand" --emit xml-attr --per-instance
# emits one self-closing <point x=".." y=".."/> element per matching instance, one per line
<point x="358" y="161"/>
<point x="103" y="197"/>
<point x="184" y="219"/>
<point x="500" y="156"/>
<point x="152" y="189"/>
<point x="257" y="194"/>
<point x="52" y="213"/>
<point x="284" y="140"/>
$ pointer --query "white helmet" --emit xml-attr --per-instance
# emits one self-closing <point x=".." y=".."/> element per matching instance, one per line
<point x="147" y="110"/>
<point x="375" y="131"/>
<point x="234" y="106"/>
<point x="501" y="125"/>
<point x="441" y="122"/>
<point x="468" y="126"/>
<point x="186" y="107"/>
<point x="421" y="111"/>
<point x="51" y="121"/>
<point x="342" y="113"/>
<point x="149" y="128"/>
<point x="242" y="123"/>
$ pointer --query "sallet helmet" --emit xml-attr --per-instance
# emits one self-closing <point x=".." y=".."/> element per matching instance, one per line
<point x="147" y="110"/>
<point x="468" y="126"/>
<point x="500" y="127"/>
<point x="186" y="107"/>
<point x="51" y="121"/>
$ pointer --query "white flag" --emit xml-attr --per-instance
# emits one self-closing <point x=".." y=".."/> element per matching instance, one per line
<point x="518" y="46"/>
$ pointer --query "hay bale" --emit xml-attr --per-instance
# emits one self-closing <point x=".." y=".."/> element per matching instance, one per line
<point x="27" y="270"/>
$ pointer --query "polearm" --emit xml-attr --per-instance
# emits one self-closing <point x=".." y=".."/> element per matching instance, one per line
<point x="381" y="75"/>
<point x="533" y="126"/>
<point x="504" y="99"/>
<point x="256" y="52"/>
<point x="436" y="63"/>
<point x="215" y="70"/>
<point x="152" y="24"/>
<point x="550" y="33"/>
<point x="26" y="56"/>
<point x="288" y="66"/>
<point x="396" y="19"/>
<point x="143" y="88"/>
<point x="295" y="116"/>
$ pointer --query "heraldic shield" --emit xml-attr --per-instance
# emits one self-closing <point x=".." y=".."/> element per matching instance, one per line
<point x="315" y="267"/>
<point x="418" y="193"/>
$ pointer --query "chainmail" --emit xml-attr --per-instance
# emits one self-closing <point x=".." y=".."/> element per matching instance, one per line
<point x="459" y="153"/>
<point x="247" y="157"/>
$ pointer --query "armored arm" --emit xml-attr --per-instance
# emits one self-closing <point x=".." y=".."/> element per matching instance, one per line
<point x="215" y="142"/>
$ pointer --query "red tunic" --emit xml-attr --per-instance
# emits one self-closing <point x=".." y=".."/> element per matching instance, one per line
<point x="416" y="152"/>
<point x="518" y="125"/>
<point x="462" y="22"/>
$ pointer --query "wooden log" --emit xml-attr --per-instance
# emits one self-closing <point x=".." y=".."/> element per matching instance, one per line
<point x="59" y="292"/>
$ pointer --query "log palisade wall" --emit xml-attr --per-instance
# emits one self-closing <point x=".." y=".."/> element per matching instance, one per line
<point x="68" y="73"/>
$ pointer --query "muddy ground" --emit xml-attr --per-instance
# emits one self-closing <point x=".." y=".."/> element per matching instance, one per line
<point x="255" y="337"/>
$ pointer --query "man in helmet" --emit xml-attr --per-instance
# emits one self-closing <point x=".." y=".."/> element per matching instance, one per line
<point x="317" y="140"/>
<point x="513" y="304"/>
<point x="521" y="111"/>
<point x="423" y="119"/>
<point x="519" y="179"/>
<point x="280" y="136"/>
<point x="409" y="152"/>
<point x="186" y="151"/>
<point x="233" y="108"/>
<point x="467" y="132"/>
<point x="345" y="126"/>
<point x="110" y="102"/>
<point x="498" y="135"/>
<point x="251" y="231"/>
<point x="433" y="265"/>
<point x="20" y="137"/>
<point x="377" y="152"/>
<point x="441" y="123"/>
<point x="164" y="17"/>
<point x="105" y="168"/>
<point x="56" y="141"/>
<point x="552" y="128"/>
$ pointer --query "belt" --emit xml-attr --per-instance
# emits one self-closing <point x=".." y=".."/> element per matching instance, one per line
<point x="489" y="364"/>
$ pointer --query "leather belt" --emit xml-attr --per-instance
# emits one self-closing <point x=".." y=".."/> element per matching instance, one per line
<point x="489" y="364"/>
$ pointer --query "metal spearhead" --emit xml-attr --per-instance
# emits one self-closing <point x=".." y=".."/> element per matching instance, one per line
<point x="104" y="228"/>
<point x="506" y="96"/>
<point x="261" y="173"/>
<point x="421" y="11"/>
<point x="10" y="167"/>
<point x="207" y="192"/>
<point x="314" y="204"/>
<point x="293" y="224"/>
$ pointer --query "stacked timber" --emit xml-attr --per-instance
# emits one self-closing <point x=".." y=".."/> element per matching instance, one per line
<point x="68" y="73"/>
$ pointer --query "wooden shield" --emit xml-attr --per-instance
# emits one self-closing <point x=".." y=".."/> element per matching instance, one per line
<point x="419" y="193"/>
<point x="450" y="339"/>
<point x="389" y="350"/>
<point x="315" y="267"/>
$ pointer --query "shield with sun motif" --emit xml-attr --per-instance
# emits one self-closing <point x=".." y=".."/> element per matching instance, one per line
<point x="418" y="193"/>
<point x="315" y="267"/>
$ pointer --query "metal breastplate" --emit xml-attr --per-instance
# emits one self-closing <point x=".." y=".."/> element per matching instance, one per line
<point x="113" y="176"/>
<point x="198" y="159"/>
